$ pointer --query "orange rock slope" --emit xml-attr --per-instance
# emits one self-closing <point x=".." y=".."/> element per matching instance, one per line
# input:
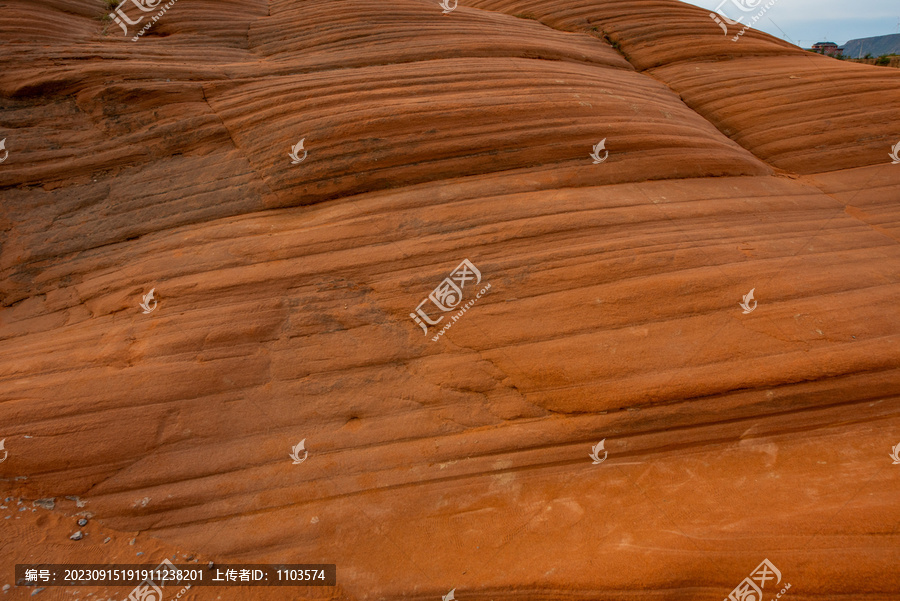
<point x="285" y="299"/>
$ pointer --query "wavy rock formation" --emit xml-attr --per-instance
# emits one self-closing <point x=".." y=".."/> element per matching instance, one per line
<point x="285" y="298"/>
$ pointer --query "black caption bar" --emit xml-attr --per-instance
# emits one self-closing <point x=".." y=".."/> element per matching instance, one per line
<point x="168" y="575"/>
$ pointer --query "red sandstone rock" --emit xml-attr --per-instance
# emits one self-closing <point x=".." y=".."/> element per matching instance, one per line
<point x="284" y="294"/>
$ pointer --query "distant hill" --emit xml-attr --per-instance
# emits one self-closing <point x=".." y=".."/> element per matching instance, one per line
<point x="878" y="45"/>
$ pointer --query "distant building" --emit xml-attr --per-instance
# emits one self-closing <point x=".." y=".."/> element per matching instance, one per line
<point x="827" y="48"/>
<point x="876" y="46"/>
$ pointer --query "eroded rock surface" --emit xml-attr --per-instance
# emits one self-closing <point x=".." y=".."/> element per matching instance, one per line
<point x="284" y="294"/>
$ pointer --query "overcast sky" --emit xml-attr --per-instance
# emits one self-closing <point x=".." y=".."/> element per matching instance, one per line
<point x="805" y="22"/>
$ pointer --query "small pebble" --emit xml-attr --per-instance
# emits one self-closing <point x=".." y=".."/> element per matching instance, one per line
<point x="6" y="587"/>
<point x="45" y="503"/>
<point x="82" y="522"/>
<point x="77" y="536"/>
<point x="106" y="540"/>
<point x="36" y="591"/>
<point x="131" y="542"/>
<point x="139" y="553"/>
<point x="210" y="565"/>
